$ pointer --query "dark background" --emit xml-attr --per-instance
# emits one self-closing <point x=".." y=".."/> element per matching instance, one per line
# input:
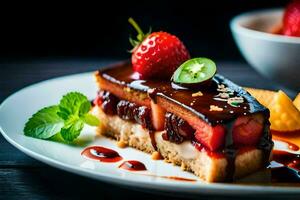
<point x="50" y="29"/>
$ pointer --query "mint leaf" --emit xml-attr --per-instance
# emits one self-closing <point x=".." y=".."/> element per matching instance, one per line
<point x="44" y="124"/>
<point x="91" y="120"/>
<point x="73" y="127"/>
<point x="73" y="103"/>
<point x="57" y="138"/>
<point x="72" y="108"/>
<point x="63" y="122"/>
<point x="84" y="108"/>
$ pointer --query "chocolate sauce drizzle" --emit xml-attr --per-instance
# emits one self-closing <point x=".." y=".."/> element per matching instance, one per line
<point x="133" y="165"/>
<point x="101" y="154"/>
<point x="152" y="137"/>
<point x="265" y="143"/>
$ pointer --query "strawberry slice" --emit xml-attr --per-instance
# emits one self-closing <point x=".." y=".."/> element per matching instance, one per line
<point x="247" y="130"/>
<point x="211" y="137"/>
<point x="158" y="116"/>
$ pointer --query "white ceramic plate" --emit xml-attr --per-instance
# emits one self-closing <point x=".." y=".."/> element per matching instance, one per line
<point x="17" y="108"/>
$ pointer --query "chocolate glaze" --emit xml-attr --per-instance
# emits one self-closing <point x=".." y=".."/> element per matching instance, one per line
<point x="230" y="152"/>
<point x="152" y="138"/>
<point x="122" y="73"/>
<point x="200" y="105"/>
<point x="265" y="143"/>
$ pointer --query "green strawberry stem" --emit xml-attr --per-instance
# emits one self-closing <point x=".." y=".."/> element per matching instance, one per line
<point x="140" y="36"/>
<point x="136" y="26"/>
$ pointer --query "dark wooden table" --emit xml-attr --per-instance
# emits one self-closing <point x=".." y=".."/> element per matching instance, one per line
<point x="22" y="177"/>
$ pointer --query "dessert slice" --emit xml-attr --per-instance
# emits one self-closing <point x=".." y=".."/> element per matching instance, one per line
<point x="219" y="132"/>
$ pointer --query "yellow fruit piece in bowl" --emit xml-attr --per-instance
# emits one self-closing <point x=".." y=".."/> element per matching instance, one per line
<point x="297" y="101"/>
<point x="265" y="97"/>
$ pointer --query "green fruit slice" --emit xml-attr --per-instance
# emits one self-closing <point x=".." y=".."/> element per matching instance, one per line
<point x="195" y="70"/>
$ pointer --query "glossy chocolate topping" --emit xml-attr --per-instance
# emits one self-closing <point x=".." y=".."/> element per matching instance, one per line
<point x="216" y="96"/>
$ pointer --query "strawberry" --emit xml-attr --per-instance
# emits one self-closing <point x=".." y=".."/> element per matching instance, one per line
<point x="158" y="116"/>
<point x="291" y="19"/>
<point x="247" y="130"/>
<point x="157" y="54"/>
<point x="211" y="137"/>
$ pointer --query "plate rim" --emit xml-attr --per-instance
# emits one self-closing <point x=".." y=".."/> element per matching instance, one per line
<point x="193" y="188"/>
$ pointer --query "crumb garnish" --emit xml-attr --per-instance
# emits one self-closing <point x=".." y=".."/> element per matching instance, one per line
<point x="235" y="101"/>
<point x="156" y="155"/>
<point x="215" y="108"/>
<point x="221" y="88"/>
<point x="223" y="95"/>
<point x="227" y="94"/>
<point x="127" y="89"/>
<point x="197" y="94"/>
<point x="121" y="144"/>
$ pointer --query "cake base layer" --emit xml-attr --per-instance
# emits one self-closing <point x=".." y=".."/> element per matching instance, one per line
<point x="208" y="168"/>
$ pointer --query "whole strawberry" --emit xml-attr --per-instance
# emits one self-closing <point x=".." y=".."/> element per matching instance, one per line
<point x="291" y="19"/>
<point x="157" y="54"/>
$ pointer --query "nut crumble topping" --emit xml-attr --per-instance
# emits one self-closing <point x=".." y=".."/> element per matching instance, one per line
<point x="223" y="95"/>
<point x="227" y="94"/>
<point x="156" y="156"/>
<point x="221" y="88"/>
<point x="215" y="108"/>
<point x="121" y="144"/>
<point x="127" y="89"/>
<point x="234" y="101"/>
<point x="197" y="94"/>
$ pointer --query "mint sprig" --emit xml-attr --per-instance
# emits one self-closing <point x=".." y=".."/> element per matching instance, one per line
<point x="44" y="124"/>
<point x="66" y="119"/>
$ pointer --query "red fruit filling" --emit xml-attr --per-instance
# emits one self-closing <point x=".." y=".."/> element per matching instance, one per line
<point x="131" y="111"/>
<point x="211" y="137"/>
<point x="246" y="130"/>
<point x="177" y="130"/>
<point x="107" y="101"/>
<point x="112" y="105"/>
<point x="158" y="116"/>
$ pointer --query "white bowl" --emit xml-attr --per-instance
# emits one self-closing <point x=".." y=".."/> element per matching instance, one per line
<point x="276" y="57"/>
